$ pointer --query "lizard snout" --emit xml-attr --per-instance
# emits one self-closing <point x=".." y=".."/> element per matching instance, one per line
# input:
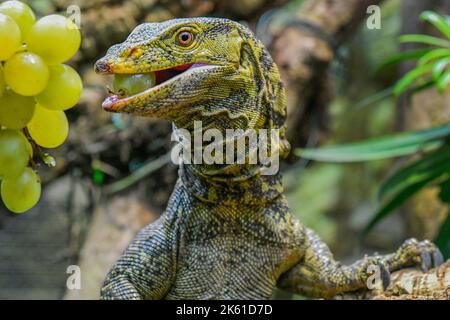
<point x="102" y="67"/>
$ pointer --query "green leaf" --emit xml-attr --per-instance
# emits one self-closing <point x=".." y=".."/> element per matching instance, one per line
<point x="443" y="81"/>
<point x="395" y="145"/>
<point x="401" y="57"/>
<point x="434" y="164"/>
<point x="403" y="84"/>
<point x="444" y="193"/>
<point x="443" y="238"/>
<point x="425" y="39"/>
<point x="438" y="21"/>
<point x="386" y="93"/>
<point x="357" y="153"/>
<point x="399" y="199"/>
<point x="432" y="55"/>
<point x="422" y="87"/>
<point x="439" y="67"/>
<point x="376" y="97"/>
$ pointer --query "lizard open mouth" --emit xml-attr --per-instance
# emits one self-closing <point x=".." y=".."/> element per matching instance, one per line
<point x="121" y="97"/>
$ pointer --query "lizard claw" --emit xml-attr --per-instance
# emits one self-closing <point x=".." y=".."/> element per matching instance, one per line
<point x="438" y="259"/>
<point x="422" y="253"/>
<point x="426" y="261"/>
<point x="385" y="276"/>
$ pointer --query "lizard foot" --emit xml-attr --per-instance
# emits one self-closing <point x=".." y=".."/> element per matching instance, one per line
<point x="420" y="253"/>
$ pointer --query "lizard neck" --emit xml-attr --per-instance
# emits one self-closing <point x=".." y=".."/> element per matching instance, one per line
<point x="236" y="189"/>
<point x="243" y="153"/>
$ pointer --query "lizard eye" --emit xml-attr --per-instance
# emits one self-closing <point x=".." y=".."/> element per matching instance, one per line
<point x="185" y="38"/>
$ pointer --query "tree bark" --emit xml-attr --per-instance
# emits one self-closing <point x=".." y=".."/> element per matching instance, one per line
<point x="410" y="284"/>
<point x="303" y="51"/>
<point x="112" y="229"/>
<point x="105" y="22"/>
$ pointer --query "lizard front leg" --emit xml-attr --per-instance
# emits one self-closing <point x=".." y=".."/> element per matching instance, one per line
<point x="145" y="270"/>
<point x="319" y="275"/>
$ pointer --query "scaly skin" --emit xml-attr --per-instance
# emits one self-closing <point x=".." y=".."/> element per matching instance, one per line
<point x="227" y="232"/>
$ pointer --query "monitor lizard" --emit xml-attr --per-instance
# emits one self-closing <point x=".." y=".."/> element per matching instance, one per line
<point x="227" y="232"/>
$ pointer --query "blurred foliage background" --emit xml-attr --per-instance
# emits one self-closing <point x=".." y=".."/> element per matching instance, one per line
<point x="113" y="177"/>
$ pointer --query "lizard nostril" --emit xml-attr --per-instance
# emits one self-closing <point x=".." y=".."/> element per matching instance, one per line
<point x="102" y="67"/>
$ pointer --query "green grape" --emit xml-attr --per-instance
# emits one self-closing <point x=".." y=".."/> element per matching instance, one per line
<point x="63" y="90"/>
<point x="13" y="154"/>
<point x="26" y="73"/>
<point x="2" y="81"/>
<point x="21" y="13"/>
<point x="15" y="110"/>
<point x="130" y="84"/>
<point x="22" y="193"/>
<point x="27" y="144"/>
<point x="55" y="38"/>
<point x="10" y="38"/>
<point x="48" y="128"/>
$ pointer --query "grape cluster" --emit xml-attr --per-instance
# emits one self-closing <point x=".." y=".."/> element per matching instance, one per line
<point x="35" y="89"/>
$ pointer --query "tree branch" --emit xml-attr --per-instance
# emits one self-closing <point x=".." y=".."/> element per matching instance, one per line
<point x="303" y="50"/>
<point x="414" y="284"/>
<point x="411" y="284"/>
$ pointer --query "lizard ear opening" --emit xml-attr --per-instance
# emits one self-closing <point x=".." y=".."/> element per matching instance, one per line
<point x="250" y="60"/>
<point x="253" y="56"/>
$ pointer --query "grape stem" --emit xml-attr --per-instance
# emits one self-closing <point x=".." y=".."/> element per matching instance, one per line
<point x="45" y="157"/>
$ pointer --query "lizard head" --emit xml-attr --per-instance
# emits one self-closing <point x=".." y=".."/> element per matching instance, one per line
<point x="207" y="69"/>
